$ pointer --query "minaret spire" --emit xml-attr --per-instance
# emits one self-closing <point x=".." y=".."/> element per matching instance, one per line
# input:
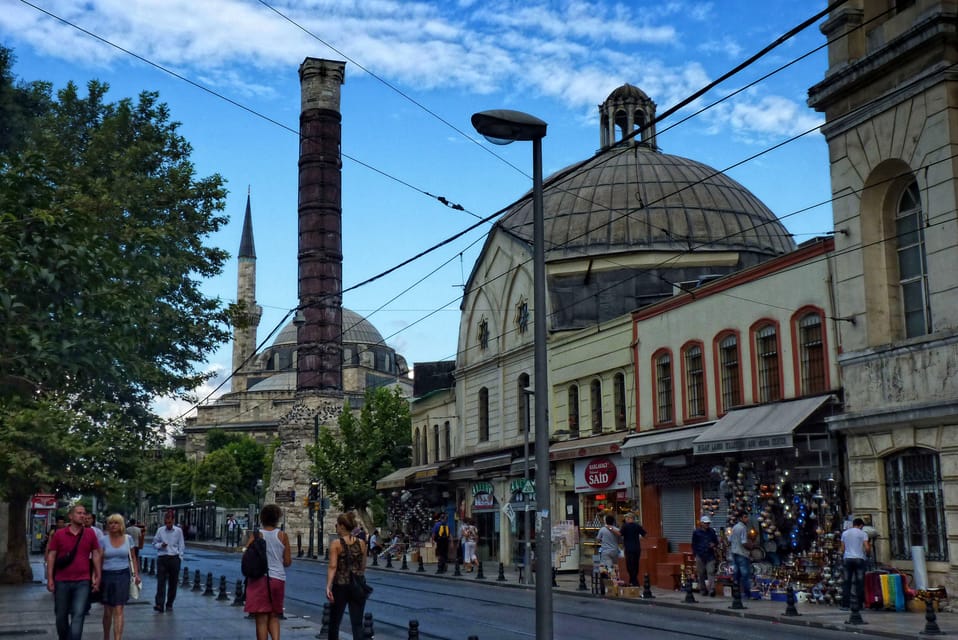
<point x="247" y="313"/>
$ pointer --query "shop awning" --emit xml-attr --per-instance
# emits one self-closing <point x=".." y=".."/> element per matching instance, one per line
<point x="768" y="426"/>
<point x="662" y="441"/>
<point x="492" y="462"/>
<point x="462" y="473"/>
<point x="399" y="477"/>
<point x="587" y="447"/>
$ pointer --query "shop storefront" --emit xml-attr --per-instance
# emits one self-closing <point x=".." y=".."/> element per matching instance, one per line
<point x="486" y="512"/>
<point x="603" y="485"/>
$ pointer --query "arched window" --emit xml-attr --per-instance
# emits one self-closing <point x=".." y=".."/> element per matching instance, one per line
<point x="595" y="403"/>
<point x="663" y="387"/>
<point x="448" y="438"/>
<point x="767" y="364"/>
<point x="484" y="415"/>
<point x="811" y="353"/>
<point x="435" y="441"/>
<point x="423" y="446"/>
<point x="573" y="411"/>
<point x="729" y="373"/>
<point x="522" y="403"/>
<point x="618" y="391"/>
<point x="416" y="453"/>
<point x="912" y="263"/>
<point x="694" y="381"/>
<point x="916" y="511"/>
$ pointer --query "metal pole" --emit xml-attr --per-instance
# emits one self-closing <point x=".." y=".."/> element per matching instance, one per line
<point x="312" y="517"/>
<point x="322" y="516"/>
<point x="543" y="493"/>
<point x="526" y="554"/>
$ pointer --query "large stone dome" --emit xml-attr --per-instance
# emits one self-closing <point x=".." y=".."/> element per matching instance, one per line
<point x="632" y="197"/>
<point x="356" y="330"/>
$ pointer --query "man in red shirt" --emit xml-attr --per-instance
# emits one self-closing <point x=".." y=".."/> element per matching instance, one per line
<point x="69" y="553"/>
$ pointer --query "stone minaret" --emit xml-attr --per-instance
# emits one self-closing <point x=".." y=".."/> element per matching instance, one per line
<point x="320" y="343"/>
<point x="248" y="312"/>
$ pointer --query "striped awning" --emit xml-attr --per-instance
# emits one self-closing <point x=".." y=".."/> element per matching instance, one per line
<point x="481" y="487"/>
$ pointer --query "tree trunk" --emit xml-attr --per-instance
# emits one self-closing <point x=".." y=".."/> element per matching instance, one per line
<point x="16" y="569"/>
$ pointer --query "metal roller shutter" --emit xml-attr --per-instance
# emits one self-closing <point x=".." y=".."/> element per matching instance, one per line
<point x="678" y="515"/>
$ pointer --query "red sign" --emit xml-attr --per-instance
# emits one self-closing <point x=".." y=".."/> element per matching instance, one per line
<point x="600" y="473"/>
<point x="43" y="501"/>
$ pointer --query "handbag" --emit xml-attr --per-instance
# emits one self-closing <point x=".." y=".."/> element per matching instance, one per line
<point x="134" y="587"/>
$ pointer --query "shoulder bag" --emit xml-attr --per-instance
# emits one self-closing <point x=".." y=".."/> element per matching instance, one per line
<point x="359" y="589"/>
<point x="134" y="587"/>
<point x="62" y="562"/>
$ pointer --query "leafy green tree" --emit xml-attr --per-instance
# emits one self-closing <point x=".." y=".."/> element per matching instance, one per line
<point x="218" y="471"/>
<point x="364" y="448"/>
<point x="102" y="229"/>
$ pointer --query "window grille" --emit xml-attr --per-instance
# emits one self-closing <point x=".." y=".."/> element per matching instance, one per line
<point x="663" y="387"/>
<point x="619" y="402"/>
<point x="912" y="264"/>
<point x="574" y="411"/>
<point x="766" y="347"/>
<point x="595" y="400"/>
<point x="729" y="371"/>
<point x="916" y="514"/>
<point x="812" y="350"/>
<point x="694" y="382"/>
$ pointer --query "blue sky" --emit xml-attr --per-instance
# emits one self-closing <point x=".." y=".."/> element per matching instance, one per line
<point x="416" y="71"/>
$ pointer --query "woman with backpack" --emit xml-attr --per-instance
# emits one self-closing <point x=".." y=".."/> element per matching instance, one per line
<point x="265" y="593"/>
<point x="347" y="558"/>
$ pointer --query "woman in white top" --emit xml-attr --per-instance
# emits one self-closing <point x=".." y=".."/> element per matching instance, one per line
<point x="264" y="595"/>
<point x="117" y="547"/>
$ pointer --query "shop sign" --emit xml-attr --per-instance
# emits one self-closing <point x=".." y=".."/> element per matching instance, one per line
<point x="605" y="473"/>
<point x="783" y="441"/>
<point x="483" y="501"/>
<point x="43" y="501"/>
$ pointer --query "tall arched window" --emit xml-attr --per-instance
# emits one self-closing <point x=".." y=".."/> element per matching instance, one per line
<point x="912" y="263"/>
<point x="447" y="433"/>
<point x="662" y="376"/>
<point x="435" y="441"/>
<point x="484" y="415"/>
<point x="618" y="390"/>
<point x="573" y="411"/>
<point x="916" y="507"/>
<point x="811" y="353"/>
<point x="694" y="381"/>
<point x="595" y="403"/>
<point x="729" y="372"/>
<point x="522" y="403"/>
<point x="416" y="453"/>
<point x="767" y="364"/>
<point x="423" y="445"/>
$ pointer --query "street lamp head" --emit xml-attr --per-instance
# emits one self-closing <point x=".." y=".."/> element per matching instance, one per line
<point x="299" y="318"/>
<point x="502" y="126"/>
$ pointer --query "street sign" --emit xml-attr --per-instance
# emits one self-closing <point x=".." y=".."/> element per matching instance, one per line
<point x="288" y="495"/>
<point x="529" y="487"/>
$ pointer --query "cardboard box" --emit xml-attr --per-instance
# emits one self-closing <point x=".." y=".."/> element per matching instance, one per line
<point x="630" y="592"/>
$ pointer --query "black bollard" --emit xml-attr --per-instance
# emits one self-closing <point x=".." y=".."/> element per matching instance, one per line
<point x="326" y="554"/>
<point x="555" y="578"/>
<point x="689" y="596"/>
<point x="647" y="588"/>
<point x="479" y="574"/>
<point x="502" y="573"/>
<point x="790" y="609"/>
<point x="209" y="585"/>
<point x="473" y="638"/>
<point x="389" y="561"/>
<point x="855" y="617"/>
<point x="737" y="596"/>
<point x="222" y="594"/>
<point x="457" y="571"/>
<point x="186" y="577"/>
<point x="931" y="620"/>
<point x="413" y="630"/>
<point x="299" y="545"/>
<point x="152" y="566"/>
<point x="368" y="633"/>
<point x="196" y="581"/>
<point x="405" y="563"/>
<point x="582" y="586"/>
<point x="324" y="622"/>
<point x="238" y="599"/>
<point x="422" y="567"/>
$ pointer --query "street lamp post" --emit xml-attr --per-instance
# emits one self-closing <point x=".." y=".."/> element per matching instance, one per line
<point x="502" y="127"/>
<point x="311" y="505"/>
<point x="525" y="476"/>
<point x="172" y="484"/>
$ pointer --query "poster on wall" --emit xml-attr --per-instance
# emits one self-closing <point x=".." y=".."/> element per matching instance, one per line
<point x="603" y="473"/>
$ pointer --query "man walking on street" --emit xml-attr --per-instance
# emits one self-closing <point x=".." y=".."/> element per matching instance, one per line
<point x="440" y="536"/>
<point x="740" y="549"/>
<point x="170" y="545"/>
<point x="68" y="572"/>
<point x="855" y="549"/>
<point x="632" y="534"/>
<point x="704" y="543"/>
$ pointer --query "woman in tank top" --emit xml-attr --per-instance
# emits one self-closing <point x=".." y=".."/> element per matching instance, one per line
<point x="115" y="583"/>
<point x="346" y="557"/>
<point x="264" y="595"/>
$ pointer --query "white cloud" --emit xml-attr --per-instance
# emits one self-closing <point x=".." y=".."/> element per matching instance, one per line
<point x="728" y="48"/>
<point x="171" y="408"/>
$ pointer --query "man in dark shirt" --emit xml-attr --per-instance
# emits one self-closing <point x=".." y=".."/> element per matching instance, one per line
<point x="704" y="543"/>
<point x="632" y="534"/>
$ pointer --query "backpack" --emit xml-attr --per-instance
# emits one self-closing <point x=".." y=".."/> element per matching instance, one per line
<point x="255" y="563"/>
